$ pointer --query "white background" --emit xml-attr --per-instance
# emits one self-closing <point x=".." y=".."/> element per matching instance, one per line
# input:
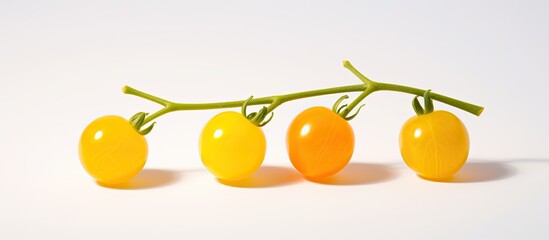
<point x="63" y="64"/>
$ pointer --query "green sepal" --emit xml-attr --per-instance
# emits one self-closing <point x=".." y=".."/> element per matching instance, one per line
<point x="258" y="118"/>
<point x="134" y="117"/>
<point x="268" y="120"/>
<point x="251" y="116"/>
<point x="417" y="106"/>
<point x="137" y="120"/>
<point x="354" y="115"/>
<point x="244" y="106"/>
<point x="336" y="107"/>
<point x="146" y="130"/>
<point x="429" y="107"/>
<point x="261" y="114"/>
<point x="341" y="108"/>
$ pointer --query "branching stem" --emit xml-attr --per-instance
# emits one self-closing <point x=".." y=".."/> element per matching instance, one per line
<point x="367" y="87"/>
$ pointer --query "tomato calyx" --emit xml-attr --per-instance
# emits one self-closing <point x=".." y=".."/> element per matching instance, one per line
<point x="138" y="120"/>
<point x="428" y="103"/>
<point x="341" y="110"/>
<point x="257" y="118"/>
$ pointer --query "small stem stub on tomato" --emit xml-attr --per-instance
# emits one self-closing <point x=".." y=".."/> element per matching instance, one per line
<point x="428" y="103"/>
<point x="345" y="109"/>
<point x="336" y="108"/>
<point x="256" y="118"/>
<point x="138" y="120"/>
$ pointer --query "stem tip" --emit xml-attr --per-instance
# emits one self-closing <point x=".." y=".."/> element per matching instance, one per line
<point x="346" y="63"/>
<point x="480" y="111"/>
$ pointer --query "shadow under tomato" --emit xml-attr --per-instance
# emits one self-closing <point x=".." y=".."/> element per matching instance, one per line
<point x="528" y="160"/>
<point x="359" y="174"/>
<point x="265" y="177"/>
<point x="146" y="179"/>
<point x="479" y="171"/>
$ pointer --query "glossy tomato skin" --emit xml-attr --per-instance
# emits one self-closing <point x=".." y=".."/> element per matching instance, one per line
<point x="231" y="147"/>
<point x="111" y="151"/>
<point x="319" y="142"/>
<point x="434" y="145"/>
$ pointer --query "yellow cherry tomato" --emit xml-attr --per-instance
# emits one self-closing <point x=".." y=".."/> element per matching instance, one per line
<point x="434" y="145"/>
<point x="319" y="142"/>
<point x="231" y="147"/>
<point x="111" y="151"/>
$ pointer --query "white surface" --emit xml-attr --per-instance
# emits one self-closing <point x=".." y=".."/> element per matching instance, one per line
<point x="63" y="63"/>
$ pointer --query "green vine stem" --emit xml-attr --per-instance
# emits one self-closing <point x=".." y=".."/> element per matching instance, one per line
<point x="367" y="87"/>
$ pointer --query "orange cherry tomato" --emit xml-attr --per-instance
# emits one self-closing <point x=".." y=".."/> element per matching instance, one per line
<point x="319" y="142"/>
